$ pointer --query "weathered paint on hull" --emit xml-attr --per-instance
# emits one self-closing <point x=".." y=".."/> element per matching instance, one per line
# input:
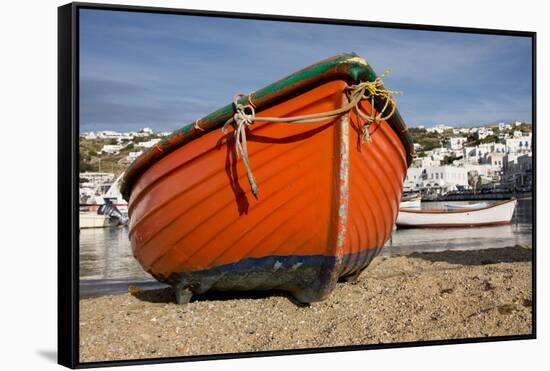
<point x="328" y="203"/>
<point x="303" y="276"/>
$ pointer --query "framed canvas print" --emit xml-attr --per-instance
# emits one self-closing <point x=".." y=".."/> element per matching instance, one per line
<point x="236" y="185"/>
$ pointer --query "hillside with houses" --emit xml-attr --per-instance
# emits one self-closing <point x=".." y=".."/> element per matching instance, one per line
<point x="447" y="159"/>
<point x="487" y="158"/>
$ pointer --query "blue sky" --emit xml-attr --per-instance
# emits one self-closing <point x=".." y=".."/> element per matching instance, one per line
<point x="164" y="71"/>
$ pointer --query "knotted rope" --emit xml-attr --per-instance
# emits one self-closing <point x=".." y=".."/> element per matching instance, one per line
<point x="245" y="115"/>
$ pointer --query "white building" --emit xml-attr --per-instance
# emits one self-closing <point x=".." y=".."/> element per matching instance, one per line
<point x="504" y="126"/>
<point x="89" y="136"/>
<point x="488" y="172"/>
<point x="108" y="134"/>
<point x="133" y="155"/>
<point x="148" y="144"/>
<point x="413" y="180"/>
<point x="144" y="132"/>
<point x="470" y="155"/>
<point x="449" y="175"/>
<point x="428" y="161"/>
<point x="518" y="170"/>
<point x="456" y="143"/>
<point x="523" y="144"/>
<point x="480" y="154"/>
<point x="126" y="136"/>
<point x="435" y="179"/>
<point x="439" y="129"/>
<point x="95" y="177"/>
<point x="497" y="159"/>
<point x="484" y="132"/>
<point x="112" y="149"/>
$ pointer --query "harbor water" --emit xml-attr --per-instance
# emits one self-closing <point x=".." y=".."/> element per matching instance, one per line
<point x="107" y="264"/>
<point x="519" y="232"/>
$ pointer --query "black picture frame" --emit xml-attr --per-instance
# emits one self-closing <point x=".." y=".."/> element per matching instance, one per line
<point x="68" y="155"/>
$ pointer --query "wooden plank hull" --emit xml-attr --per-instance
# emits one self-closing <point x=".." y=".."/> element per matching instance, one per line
<point x="328" y="203"/>
<point x="497" y="214"/>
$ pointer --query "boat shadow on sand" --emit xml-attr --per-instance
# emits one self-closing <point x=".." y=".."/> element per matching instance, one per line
<point x="166" y="295"/>
<point x="512" y="254"/>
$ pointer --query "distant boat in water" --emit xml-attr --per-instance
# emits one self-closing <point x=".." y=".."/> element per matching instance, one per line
<point x="330" y="189"/>
<point x="495" y="214"/>
<point x="111" y="197"/>
<point x="107" y="209"/>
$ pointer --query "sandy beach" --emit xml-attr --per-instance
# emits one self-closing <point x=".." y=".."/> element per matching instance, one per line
<point x="422" y="296"/>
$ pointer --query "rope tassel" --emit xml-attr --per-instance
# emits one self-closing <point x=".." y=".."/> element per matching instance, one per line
<point x="245" y="115"/>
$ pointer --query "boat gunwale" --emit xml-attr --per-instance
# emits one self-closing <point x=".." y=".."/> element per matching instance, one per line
<point x="442" y="211"/>
<point x="348" y="67"/>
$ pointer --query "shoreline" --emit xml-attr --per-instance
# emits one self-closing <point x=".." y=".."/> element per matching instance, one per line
<point x="421" y="296"/>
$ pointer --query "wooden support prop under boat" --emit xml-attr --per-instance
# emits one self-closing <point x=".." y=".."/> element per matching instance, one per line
<point x="328" y="201"/>
<point x="496" y="214"/>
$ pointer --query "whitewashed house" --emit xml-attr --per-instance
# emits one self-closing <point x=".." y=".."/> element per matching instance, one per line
<point x="440" y="129"/>
<point x="148" y="144"/>
<point x="523" y="144"/>
<point x="456" y="143"/>
<point x="518" y="170"/>
<point x="133" y="155"/>
<point x="444" y="178"/>
<point x="484" y="132"/>
<point x="89" y="136"/>
<point x="112" y="149"/>
<point x="413" y="180"/>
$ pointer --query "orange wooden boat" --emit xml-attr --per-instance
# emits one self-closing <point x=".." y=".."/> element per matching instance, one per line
<point x="328" y="201"/>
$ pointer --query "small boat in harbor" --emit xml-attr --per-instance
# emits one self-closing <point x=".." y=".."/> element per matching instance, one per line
<point x="104" y="209"/>
<point x="329" y="151"/>
<point x="495" y="214"/>
<point x="111" y="196"/>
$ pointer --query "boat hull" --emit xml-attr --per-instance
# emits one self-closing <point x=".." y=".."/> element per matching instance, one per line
<point x="327" y="202"/>
<point x="195" y="224"/>
<point x="496" y="214"/>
